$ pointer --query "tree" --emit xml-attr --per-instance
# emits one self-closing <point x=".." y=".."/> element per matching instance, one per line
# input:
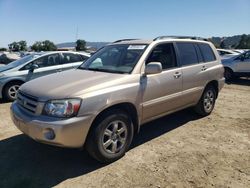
<point x="18" y="46"/>
<point x="3" y="49"/>
<point x="14" y="47"/>
<point x="22" y="45"/>
<point x="44" y="46"/>
<point x="244" y="42"/>
<point x="80" y="45"/>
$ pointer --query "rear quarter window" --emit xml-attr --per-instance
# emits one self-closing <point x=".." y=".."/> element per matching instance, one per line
<point x="207" y="52"/>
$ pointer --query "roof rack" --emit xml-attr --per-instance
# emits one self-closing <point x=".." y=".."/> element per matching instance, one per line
<point x="121" y="40"/>
<point x="180" y="37"/>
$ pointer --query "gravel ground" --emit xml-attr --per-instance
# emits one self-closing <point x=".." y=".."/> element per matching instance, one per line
<point x="179" y="150"/>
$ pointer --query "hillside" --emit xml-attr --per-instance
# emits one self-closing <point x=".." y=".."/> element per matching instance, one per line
<point x="230" y="42"/>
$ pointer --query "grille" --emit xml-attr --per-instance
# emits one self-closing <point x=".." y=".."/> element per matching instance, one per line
<point x="28" y="102"/>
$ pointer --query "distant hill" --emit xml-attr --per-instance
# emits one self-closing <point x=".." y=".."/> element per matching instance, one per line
<point x="230" y="42"/>
<point x="95" y="45"/>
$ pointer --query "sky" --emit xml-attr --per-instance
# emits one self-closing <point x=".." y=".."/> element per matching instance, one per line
<point x="110" y="20"/>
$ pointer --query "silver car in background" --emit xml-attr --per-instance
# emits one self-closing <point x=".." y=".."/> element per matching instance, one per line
<point x="237" y="66"/>
<point x="13" y="75"/>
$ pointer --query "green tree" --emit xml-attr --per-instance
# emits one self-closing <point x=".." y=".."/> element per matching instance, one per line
<point x="3" y="49"/>
<point x="14" y="46"/>
<point x="22" y="45"/>
<point x="44" y="46"/>
<point x="80" y="45"/>
<point x="18" y="46"/>
<point x="244" y="42"/>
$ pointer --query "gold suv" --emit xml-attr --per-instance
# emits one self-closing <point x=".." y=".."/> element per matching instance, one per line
<point x="102" y="104"/>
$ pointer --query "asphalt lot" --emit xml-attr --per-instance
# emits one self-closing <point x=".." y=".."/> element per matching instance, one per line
<point x="179" y="150"/>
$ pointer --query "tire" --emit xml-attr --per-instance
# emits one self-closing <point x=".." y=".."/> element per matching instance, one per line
<point x="228" y="74"/>
<point x="207" y="101"/>
<point x="10" y="90"/>
<point x="110" y="136"/>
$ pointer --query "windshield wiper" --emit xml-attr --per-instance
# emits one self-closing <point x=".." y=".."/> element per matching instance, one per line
<point x="103" y="70"/>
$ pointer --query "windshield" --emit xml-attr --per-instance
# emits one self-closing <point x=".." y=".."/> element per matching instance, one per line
<point x="120" y="58"/>
<point x="22" y="60"/>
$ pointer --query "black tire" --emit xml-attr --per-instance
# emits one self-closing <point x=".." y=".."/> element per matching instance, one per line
<point x="207" y="101"/>
<point x="96" y="140"/>
<point x="228" y="74"/>
<point x="10" y="88"/>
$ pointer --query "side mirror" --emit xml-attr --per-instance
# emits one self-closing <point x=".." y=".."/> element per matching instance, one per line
<point x="153" y="68"/>
<point x="33" y="67"/>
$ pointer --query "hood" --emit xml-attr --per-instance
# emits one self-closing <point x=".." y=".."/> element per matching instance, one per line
<point x="5" y="68"/>
<point x="72" y="83"/>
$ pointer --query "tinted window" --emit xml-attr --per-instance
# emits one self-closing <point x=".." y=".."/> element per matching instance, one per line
<point x="71" y="58"/>
<point x="207" y="53"/>
<point x="165" y="54"/>
<point x="187" y="53"/>
<point x="198" y="52"/>
<point x="45" y="61"/>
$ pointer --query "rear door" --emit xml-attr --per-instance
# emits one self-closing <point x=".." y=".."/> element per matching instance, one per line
<point x="162" y="92"/>
<point x="243" y="63"/>
<point x="193" y="70"/>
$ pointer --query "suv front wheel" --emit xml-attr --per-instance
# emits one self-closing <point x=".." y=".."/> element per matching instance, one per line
<point x="110" y="137"/>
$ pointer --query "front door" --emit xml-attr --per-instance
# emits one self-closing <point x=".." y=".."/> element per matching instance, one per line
<point x="162" y="92"/>
<point x="243" y="63"/>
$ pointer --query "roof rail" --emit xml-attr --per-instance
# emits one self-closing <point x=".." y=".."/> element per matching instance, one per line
<point x="121" y="40"/>
<point x="180" y="37"/>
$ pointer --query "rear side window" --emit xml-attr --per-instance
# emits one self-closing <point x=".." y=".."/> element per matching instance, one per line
<point x="207" y="52"/>
<point x="71" y="58"/>
<point x="187" y="52"/>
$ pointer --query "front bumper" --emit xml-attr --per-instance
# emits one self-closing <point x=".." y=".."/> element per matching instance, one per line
<point x="70" y="132"/>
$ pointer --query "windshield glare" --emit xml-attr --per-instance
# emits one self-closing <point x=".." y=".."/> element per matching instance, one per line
<point x="115" y="58"/>
<point x="22" y="60"/>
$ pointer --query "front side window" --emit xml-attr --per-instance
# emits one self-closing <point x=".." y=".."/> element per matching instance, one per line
<point x="120" y="58"/>
<point x="165" y="54"/>
<point x="45" y="61"/>
<point x="207" y="52"/>
<point x="187" y="53"/>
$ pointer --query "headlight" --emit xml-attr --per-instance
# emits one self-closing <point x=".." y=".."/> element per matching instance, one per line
<point x="62" y="108"/>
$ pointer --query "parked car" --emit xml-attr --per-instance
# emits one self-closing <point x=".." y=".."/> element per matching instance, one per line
<point x="13" y="75"/>
<point x="104" y="102"/>
<point x="7" y="57"/>
<point x="237" y="66"/>
<point x="223" y="52"/>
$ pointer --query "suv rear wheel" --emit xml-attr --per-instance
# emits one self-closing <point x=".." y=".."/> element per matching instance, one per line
<point x="110" y="137"/>
<point x="207" y="101"/>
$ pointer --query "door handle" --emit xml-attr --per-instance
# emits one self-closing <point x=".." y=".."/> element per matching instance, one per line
<point x="177" y="75"/>
<point x="59" y="70"/>
<point x="203" y="68"/>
